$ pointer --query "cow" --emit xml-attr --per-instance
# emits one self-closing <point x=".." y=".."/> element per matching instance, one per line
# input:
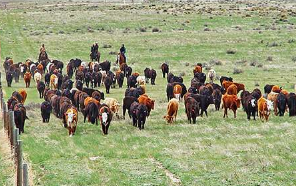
<point x="79" y="85"/>
<point x="113" y="78"/>
<point x="87" y="78"/>
<point x="46" y="109"/>
<point x="231" y="90"/>
<point x="197" y="69"/>
<point x="59" y="64"/>
<point x="128" y="71"/>
<point x="205" y="101"/>
<point x="281" y="103"/>
<point x="27" y="78"/>
<point x="105" y="116"/>
<point x="212" y="75"/>
<point x="139" y="113"/>
<point x="47" y="79"/>
<point x="126" y="104"/>
<point x="105" y="65"/>
<point x="18" y="96"/>
<point x="79" y="75"/>
<point x="11" y="102"/>
<point x="201" y="77"/>
<point x="147" y="74"/>
<point x="148" y="102"/>
<point x="291" y="102"/>
<point x="192" y="109"/>
<point x="9" y="78"/>
<point x="81" y="99"/>
<point x="172" y="110"/>
<point x="131" y="81"/>
<point x="113" y="105"/>
<point x="177" y="91"/>
<point x="16" y="74"/>
<point x="230" y="102"/>
<point x="54" y="82"/>
<point x="135" y="92"/>
<point x="96" y="79"/>
<point x="141" y="80"/>
<point x="108" y="83"/>
<point x="70" y="70"/>
<point x="71" y="119"/>
<point x="264" y="108"/>
<point x="120" y="78"/>
<point x="37" y="77"/>
<point x="217" y="96"/>
<point x="20" y="116"/>
<point x="152" y="75"/>
<point x="276" y="89"/>
<point x="272" y="96"/>
<point x="98" y="95"/>
<point x="164" y="69"/>
<point x="91" y="111"/>
<point x="224" y="78"/>
<point x="250" y="106"/>
<point x="267" y="89"/>
<point x="170" y="91"/>
<point x="23" y="93"/>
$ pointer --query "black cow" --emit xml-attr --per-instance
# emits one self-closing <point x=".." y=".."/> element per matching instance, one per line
<point x="139" y="113"/>
<point x="128" y="71"/>
<point x="108" y="83"/>
<point x="41" y="88"/>
<point x="192" y="109"/>
<point x="170" y="91"/>
<point x="105" y="65"/>
<point x="217" y="96"/>
<point x="250" y="105"/>
<point x="147" y="74"/>
<point x="87" y="78"/>
<point x="47" y="79"/>
<point x="164" y="69"/>
<point x="20" y="117"/>
<point x="91" y="111"/>
<point x="96" y="79"/>
<point x="9" y="77"/>
<point x="281" y="103"/>
<point x="79" y="85"/>
<point x="135" y="92"/>
<point x="291" y="101"/>
<point x="16" y="74"/>
<point x="120" y="79"/>
<point x="267" y="89"/>
<point x="205" y="101"/>
<point x="201" y="77"/>
<point x="113" y="78"/>
<point x="46" y="109"/>
<point x="224" y="78"/>
<point x="127" y="102"/>
<point x="59" y="65"/>
<point x="153" y="75"/>
<point x="131" y="81"/>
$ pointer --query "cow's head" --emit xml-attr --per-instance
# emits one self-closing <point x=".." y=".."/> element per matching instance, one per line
<point x="104" y="118"/>
<point x="168" y="118"/>
<point x="253" y="102"/>
<point x="269" y="105"/>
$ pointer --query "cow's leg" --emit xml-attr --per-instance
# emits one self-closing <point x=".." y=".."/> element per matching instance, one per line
<point x="234" y="111"/>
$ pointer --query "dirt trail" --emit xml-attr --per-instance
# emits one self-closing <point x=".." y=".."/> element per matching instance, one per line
<point x="174" y="179"/>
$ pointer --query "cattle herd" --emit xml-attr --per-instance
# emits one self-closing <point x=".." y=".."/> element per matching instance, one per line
<point x="65" y="98"/>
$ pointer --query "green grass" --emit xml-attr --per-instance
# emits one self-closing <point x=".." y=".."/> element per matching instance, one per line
<point x="215" y="151"/>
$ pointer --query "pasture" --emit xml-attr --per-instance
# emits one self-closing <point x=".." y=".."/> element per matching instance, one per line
<point x="257" y="37"/>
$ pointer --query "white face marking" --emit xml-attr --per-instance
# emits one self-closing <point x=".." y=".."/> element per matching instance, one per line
<point x="269" y="105"/>
<point x="70" y="118"/>
<point x="22" y="68"/>
<point x="177" y="96"/>
<point x="104" y="118"/>
<point x="56" y="80"/>
<point x="253" y="102"/>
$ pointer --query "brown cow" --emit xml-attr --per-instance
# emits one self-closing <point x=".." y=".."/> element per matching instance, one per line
<point x="230" y="102"/>
<point x="148" y="102"/>
<point x="172" y="110"/>
<point x="264" y="107"/>
<point x="23" y="93"/>
<point x="272" y="96"/>
<point x="27" y="78"/>
<point x="177" y="91"/>
<point x="71" y="118"/>
<point x="197" y="69"/>
<point x="232" y="90"/>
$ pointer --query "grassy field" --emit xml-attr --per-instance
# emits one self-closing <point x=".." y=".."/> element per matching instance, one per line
<point x="215" y="151"/>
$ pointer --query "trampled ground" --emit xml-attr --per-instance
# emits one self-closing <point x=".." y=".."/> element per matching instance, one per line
<point x="215" y="151"/>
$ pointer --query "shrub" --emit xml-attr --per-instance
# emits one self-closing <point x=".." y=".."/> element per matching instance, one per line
<point x="237" y="71"/>
<point x="230" y="51"/>
<point x="155" y="30"/>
